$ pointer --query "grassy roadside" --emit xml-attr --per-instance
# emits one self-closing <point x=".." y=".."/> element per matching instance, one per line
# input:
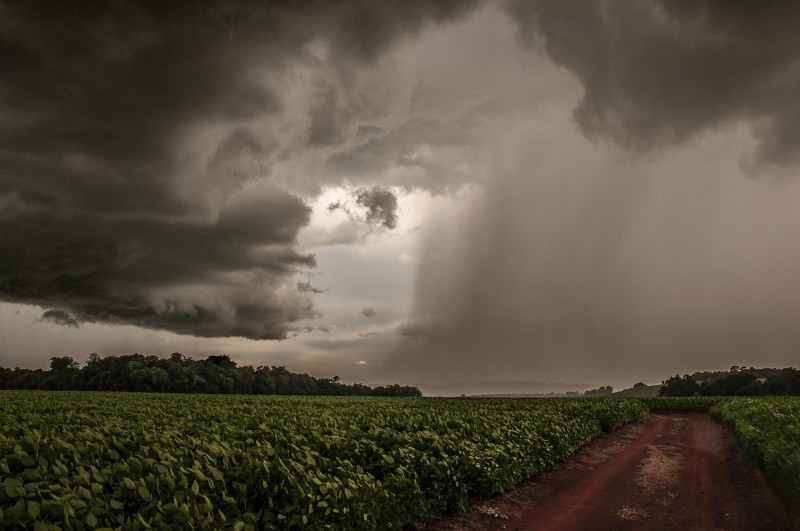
<point x="768" y="430"/>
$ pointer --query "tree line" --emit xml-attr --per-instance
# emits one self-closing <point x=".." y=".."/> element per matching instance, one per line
<point x="739" y="381"/>
<point x="181" y="374"/>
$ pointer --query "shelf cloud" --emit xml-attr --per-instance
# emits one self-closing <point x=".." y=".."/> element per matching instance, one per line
<point x="137" y="143"/>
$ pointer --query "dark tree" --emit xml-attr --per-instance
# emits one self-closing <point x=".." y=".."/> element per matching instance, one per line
<point x="64" y="363"/>
<point x="735" y="383"/>
<point x="680" y="386"/>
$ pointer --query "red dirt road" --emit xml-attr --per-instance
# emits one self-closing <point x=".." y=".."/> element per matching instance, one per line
<point x="671" y="472"/>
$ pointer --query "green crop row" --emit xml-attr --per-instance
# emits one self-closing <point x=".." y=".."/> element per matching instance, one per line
<point x="768" y="429"/>
<point x="86" y="460"/>
<point x="683" y="403"/>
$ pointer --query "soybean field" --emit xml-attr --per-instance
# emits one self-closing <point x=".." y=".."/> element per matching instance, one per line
<point x="79" y="460"/>
<point x="85" y="460"/>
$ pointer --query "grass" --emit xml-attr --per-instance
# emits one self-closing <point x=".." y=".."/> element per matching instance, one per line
<point x="658" y="470"/>
<point x="633" y="513"/>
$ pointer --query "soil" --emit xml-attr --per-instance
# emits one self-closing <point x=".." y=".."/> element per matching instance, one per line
<point x="673" y="471"/>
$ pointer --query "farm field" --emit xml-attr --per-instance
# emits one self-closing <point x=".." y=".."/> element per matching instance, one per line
<point x="135" y="461"/>
<point x="73" y="460"/>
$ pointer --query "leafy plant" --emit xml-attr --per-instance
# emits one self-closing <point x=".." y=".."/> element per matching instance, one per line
<point x="768" y="428"/>
<point x="78" y="460"/>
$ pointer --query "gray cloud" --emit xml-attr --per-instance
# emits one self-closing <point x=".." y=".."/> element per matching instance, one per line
<point x="227" y="277"/>
<point x="369" y="312"/>
<point x="415" y="330"/>
<point x="376" y="206"/>
<point x="308" y="287"/>
<point x="399" y="148"/>
<point x="326" y="127"/>
<point x="132" y="137"/>
<point x="659" y="72"/>
<point x="348" y="232"/>
<point x="59" y="317"/>
<point x="381" y="206"/>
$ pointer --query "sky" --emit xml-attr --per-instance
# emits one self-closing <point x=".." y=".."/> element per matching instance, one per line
<point x="468" y="196"/>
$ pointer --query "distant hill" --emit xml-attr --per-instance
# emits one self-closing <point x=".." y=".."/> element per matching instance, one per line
<point x="639" y="392"/>
<point x="502" y="388"/>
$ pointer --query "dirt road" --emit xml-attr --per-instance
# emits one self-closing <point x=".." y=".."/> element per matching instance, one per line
<point x="671" y="472"/>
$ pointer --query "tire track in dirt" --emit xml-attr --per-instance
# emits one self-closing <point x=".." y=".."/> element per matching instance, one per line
<point x="675" y="471"/>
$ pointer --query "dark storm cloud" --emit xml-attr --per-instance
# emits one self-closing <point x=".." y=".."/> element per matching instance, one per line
<point x="377" y="207"/>
<point x="220" y="278"/>
<point x="660" y="71"/>
<point x="369" y="312"/>
<point x="381" y="206"/>
<point x="59" y="317"/>
<point x="128" y="132"/>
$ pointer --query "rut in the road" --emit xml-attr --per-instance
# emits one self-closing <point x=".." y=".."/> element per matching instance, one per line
<point x="672" y="472"/>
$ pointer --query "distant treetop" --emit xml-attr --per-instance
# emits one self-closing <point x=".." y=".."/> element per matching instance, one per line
<point x="739" y="381"/>
<point x="217" y="374"/>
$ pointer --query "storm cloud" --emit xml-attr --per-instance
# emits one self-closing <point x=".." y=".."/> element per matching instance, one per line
<point x="618" y="231"/>
<point x="138" y="141"/>
<point x="659" y="72"/>
<point x="60" y="317"/>
<point x="376" y="207"/>
<point x="566" y="182"/>
<point x="381" y="206"/>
